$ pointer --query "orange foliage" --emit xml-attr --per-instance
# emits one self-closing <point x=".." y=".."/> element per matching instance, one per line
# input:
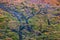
<point x="1" y="34"/>
<point x="52" y="2"/>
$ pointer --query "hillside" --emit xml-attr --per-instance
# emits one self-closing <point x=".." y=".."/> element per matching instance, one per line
<point x="50" y="2"/>
<point x="30" y="20"/>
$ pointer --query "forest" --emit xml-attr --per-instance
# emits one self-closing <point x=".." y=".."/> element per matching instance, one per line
<point x="29" y="22"/>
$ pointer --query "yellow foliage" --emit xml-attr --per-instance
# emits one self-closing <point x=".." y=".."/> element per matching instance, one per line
<point x="47" y="33"/>
<point x="8" y="39"/>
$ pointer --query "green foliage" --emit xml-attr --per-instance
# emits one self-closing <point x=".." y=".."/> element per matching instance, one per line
<point x="39" y="22"/>
<point x="5" y="31"/>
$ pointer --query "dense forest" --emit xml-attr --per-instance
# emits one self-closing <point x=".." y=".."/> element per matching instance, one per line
<point x="29" y="21"/>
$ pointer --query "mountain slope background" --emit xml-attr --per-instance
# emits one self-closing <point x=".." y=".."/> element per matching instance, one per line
<point x="43" y="22"/>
